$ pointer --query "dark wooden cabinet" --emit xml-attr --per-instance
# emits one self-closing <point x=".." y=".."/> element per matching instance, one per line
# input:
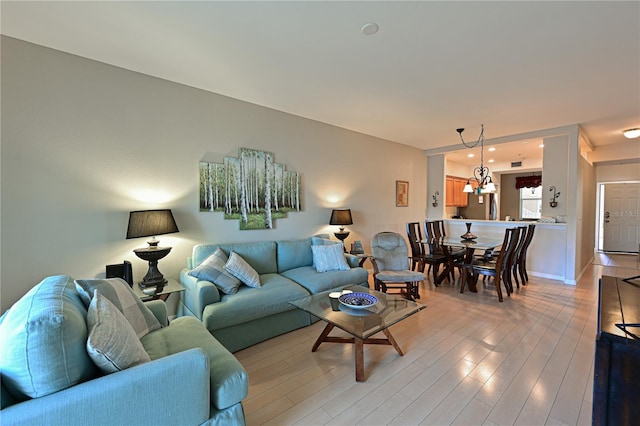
<point x="616" y="385"/>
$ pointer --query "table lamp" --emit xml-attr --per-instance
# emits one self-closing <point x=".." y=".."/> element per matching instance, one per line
<point x="149" y="223"/>
<point x="341" y="217"/>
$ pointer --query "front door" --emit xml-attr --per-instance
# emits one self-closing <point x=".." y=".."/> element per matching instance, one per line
<point x="621" y="220"/>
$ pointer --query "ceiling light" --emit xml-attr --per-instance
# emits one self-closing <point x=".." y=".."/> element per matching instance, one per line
<point x="541" y="145"/>
<point x="370" y="28"/>
<point x="632" y="133"/>
<point x="491" y="149"/>
<point x="491" y="160"/>
<point x="470" y="155"/>
<point x="480" y="173"/>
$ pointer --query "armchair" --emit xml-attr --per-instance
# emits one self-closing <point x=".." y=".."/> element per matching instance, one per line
<point x="391" y="265"/>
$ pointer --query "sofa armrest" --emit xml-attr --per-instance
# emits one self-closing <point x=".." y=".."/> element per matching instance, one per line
<point x="197" y="294"/>
<point x="159" y="310"/>
<point x="170" y="390"/>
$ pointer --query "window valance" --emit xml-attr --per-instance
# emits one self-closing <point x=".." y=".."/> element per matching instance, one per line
<point x="528" y="182"/>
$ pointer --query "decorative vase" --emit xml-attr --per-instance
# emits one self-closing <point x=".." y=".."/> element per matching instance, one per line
<point x="468" y="235"/>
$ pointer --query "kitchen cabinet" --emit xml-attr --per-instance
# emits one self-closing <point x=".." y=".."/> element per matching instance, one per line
<point x="455" y="195"/>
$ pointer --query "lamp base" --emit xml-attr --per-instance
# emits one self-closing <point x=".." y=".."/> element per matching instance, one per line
<point x="152" y="254"/>
<point x="342" y="236"/>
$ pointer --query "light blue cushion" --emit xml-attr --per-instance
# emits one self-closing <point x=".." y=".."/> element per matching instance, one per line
<point x="240" y="269"/>
<point x="253" y="303"/>
<point x="212" y="270"/>
<point x="229" y="382"/>
<point x="43" y="339"/>
<point x="400" y="276"/>
<point x="329" y="258"/>
<point x="316" y="282"/>
<point x="260" y="255"/>
<point x="294" y="254"/>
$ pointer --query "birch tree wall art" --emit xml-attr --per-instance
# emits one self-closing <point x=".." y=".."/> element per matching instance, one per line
<point x="251" y="188"/>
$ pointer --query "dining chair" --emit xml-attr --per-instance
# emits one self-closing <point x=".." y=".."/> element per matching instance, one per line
<point x="414" y="235"/>
<point x="496" y="268"/>
<point x="391" y="265"/>
<point x="454" y="258"/>
<point x="522" y="256"/>
<point x="513" y="260"/>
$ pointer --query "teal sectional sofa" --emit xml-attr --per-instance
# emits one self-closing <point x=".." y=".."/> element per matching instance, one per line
<point x="48" y="378"/>
<point x="287" y="272"/>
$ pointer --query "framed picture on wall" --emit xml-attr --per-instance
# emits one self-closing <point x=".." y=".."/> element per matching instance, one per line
<point x="402" y="193"/>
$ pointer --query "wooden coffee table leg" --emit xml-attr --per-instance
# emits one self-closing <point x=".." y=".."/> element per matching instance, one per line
<point x="323" y="336"/>
<point x="359" y="355"/>
<point x="392" y="341"/>
<point x="358" y="345"/>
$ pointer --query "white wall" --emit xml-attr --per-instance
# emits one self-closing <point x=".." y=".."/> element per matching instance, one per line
<point x="84" y="143"/>
<point x="436" y="182"/>
<point x="587" y="219"/>
<point x="618" y="172"/>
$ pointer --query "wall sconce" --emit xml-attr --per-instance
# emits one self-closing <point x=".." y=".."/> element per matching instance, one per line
<point x="435" y="199"/>
<point x="553" y="202"/>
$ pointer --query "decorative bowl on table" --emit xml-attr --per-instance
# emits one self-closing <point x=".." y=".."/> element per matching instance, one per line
<point x="358" y="300"/>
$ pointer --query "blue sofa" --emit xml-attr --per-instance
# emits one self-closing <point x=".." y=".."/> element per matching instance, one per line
<point x="191" y="378"/>
<point x="253" y="315"/>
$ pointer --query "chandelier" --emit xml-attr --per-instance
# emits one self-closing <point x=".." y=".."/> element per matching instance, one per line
<point x="481" y="174"/>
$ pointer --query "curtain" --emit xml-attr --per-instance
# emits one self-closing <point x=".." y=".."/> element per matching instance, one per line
<point x="528" y="182"/>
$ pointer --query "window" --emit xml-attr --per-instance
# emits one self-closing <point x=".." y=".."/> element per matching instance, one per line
<point x="530" y="203"/>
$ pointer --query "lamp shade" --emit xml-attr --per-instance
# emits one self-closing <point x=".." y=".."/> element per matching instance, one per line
<point x="147" y="223"/>
<point x="341" y="217"/>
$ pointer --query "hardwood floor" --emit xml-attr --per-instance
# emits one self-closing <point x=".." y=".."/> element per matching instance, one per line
<point x="469" y="360"/>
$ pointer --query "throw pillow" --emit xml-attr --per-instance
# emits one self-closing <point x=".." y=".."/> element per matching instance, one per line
<point x="319" y="241"/>
<point x="329" y="258"/>
<point x="112" y="343"/>
<point x="120" y="294"/>
<point x="239" y="268"/>
<point x="212" y="269"/>
<point x="42" y="341"/>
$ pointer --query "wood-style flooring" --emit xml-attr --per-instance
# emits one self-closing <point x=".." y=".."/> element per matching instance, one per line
<point x="469" y="360"/>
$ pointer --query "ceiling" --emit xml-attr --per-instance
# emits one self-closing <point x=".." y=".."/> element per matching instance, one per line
<point x="516" y="67"/>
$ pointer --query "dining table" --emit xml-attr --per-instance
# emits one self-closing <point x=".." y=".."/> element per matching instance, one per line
<point x="449" y="243"/>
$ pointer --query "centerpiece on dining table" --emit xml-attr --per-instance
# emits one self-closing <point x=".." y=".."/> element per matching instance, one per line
<point x="468" y="235"/>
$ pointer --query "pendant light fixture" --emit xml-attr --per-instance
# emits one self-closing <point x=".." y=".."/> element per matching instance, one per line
<point x="481" y="174"/>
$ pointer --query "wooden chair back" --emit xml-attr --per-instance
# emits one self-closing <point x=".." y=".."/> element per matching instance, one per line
<point x="497" y="269"/>
<point x="522" y="256"/>
<point x="513" y="261"/>
<point x="414" y="234"/>
<point x="438" y="229"/>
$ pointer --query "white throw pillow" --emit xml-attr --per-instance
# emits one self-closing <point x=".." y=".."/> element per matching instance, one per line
<point x="319" y="241"/>
<point x="212" y="269"/>
<point x="239" y="268"/>
<point x="120" y="294"/>
<point x="329" y="258"/>
<point x="112" y="343"/>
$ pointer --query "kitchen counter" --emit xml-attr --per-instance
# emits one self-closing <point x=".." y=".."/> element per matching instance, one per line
<point x="508" y="222"/>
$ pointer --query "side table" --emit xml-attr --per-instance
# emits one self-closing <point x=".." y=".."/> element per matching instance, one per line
<point x="172" y="286"/>
<point x="362" y="257"/>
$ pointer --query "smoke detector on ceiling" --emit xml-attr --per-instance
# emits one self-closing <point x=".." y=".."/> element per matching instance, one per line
<point x="370" y="28"/>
